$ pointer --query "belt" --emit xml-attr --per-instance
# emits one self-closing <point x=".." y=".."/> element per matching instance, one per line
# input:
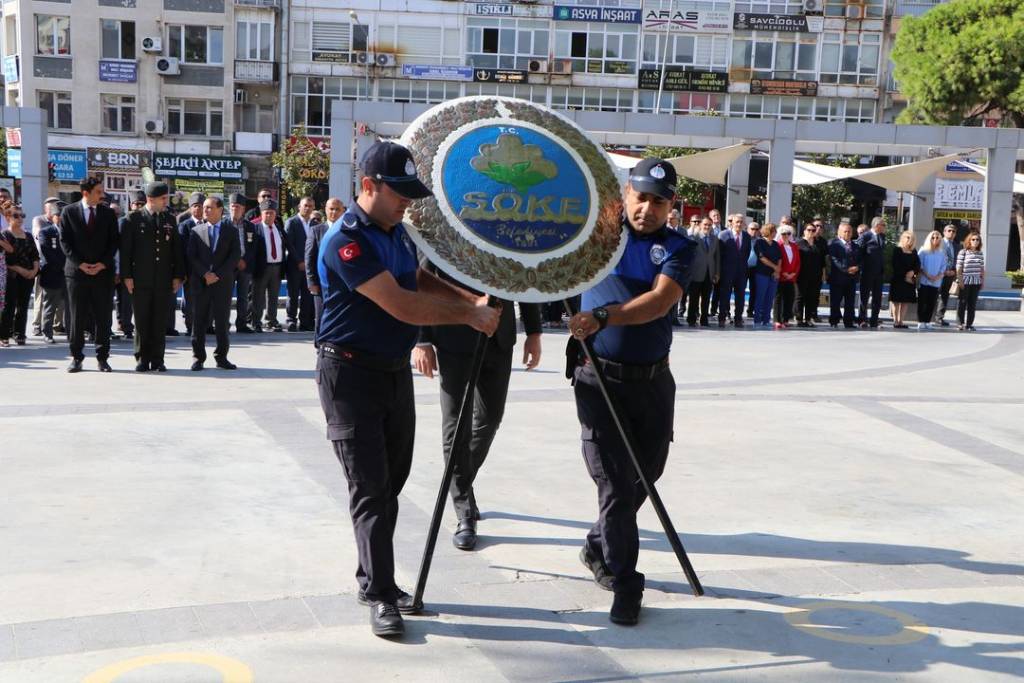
<point x="633" y="373"/>
<point x="362" y="359"/>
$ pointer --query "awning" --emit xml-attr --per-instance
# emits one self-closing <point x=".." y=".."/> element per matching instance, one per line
<point x="899" y="178"/>
<point x="710" y="166"/>
<point x="1018" y="178"/>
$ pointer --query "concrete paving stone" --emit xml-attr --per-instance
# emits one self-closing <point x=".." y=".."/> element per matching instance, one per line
<point x="169" y="625"/>
<point x="337" y="610"/>
<point x="6" y="643"/>
<point x="46" y="638"/>
<point x="107" y="631"/>
<point x="286" y="614"/>
<point x="228" y="619"/>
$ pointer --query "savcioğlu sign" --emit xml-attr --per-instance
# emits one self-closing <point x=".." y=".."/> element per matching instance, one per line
<point x="197" y="166"/>
<point x="786" y="23"/>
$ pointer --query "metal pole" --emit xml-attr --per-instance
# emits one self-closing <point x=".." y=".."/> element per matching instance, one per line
<point x="652" y="493"/>
<point x="664" y="59"/>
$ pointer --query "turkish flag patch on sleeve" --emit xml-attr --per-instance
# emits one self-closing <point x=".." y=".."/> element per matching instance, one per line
<point x="350" y="251"/>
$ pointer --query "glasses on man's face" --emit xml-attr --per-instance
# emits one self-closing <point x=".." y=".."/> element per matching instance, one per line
<point x="17" y="215"/>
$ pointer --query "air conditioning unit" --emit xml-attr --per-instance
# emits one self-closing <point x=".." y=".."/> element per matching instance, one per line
<point x="538" y="66"/>
<point x="154" y="126"/>
<point x="562" y="66"/>
<point x="152" y="44"/>
<point x="364" y="58"/>
<point x="168" y="66"/>
<point x="812" y="6"/>
<point x="241" y="95"/>
<point x="383" y="59"/>
<point x="854" y="11"/>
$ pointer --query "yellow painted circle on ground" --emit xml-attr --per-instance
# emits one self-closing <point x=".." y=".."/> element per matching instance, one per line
<point x="231" y="670"/>
<point x="912" y="631"/>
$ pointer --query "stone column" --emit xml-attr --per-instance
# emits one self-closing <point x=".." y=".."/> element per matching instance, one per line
<point x="342" y="133"/>
<point x="34" y="159"/>
<point x="782" y="154"/>
<point x="922" y="207"/>
<point x="996" y="213"/>
<point x="737" y="191"/>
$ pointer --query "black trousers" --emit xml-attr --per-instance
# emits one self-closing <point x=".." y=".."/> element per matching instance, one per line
<point x="943" y="302"/>
<point x="752" y="283"/>
<point x="299" y="310"/>
<point x="737" y="286"/>
<point x="211" y="303"/>
<point x="54" y="310"/>
<point x="371" y="422"/>
<point x="967" y="304"/>
<point x="926" y="298"/>
<point x="124" y="309"/>
<point x="784" y="296"/>
<point x="243" y="290"/>
<point x="808" y="293"/>
<point x="151" y="305"/>
<point x="265" y="289"/>
<point x="488" y="410"/>
<point x="14" y="319"/>
<point x="870" y="287"/>
<point x="647" y="408"/>
<point x="841" y="295"/>
<point x="318" y="310"/>
<point x="91" y="300"/>
<point x="699" y="300"/>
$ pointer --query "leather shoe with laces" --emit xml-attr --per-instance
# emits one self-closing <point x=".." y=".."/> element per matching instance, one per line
<point x="602" y="577"/>
<point x="626" y="609"/>
<point x="75" y="366"/>
<point x="403" y="601"/>
<point x="104" y="366"/>
<point x="464" y="537"/>
<point x="225" y="364"/>
<point x="197" y="366"/>
<point x="385" y="619"/>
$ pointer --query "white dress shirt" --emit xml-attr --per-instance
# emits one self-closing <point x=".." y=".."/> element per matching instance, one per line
<point x="277" y="241"/>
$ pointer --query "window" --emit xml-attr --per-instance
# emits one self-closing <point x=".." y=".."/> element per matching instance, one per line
<point x="863" y="9"/>
<point x="769" y="6"/>
<point x="117" y="39"/>
<point x="300" y="40"/>
<point x="117" y="113"/>
<point x="53" y="35"/>
<point x="11" y="35"/>
<point x="679" y="102"/>
<point x="312" y="97"/>
<point x="420" y="44"/>
<point x="254" y="40"/>
<point x="701" y="51"/>
<point x="505" y="43"/>
<point x="804" y="108"/>
<point x="339" y="40"/>
<point x="57" y="106"/>
<point x="196" y="44"/>
<point x="417" y="92"/>
<point x="255" y="118"/>
<point x="850" y="58"/>
<point x="598" y="47"/>
<point x="592" y="99"/>
<point x="775" y="55"/>
<point x="204" y="118"/>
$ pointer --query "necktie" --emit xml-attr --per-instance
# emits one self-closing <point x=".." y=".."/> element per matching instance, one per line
<point x="707" y="243"/>
<point x="91" y="222"/>
<point x="213" y="237"/>
<point x="273" y="243"/>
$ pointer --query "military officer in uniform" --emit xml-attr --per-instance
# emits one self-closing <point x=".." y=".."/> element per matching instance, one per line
<point x="152" y="268"/>
<point x="249" y="252"/>
<point x="213" y="251"/>
<point x="628" y="314"/>
<point x="375" y="297"/>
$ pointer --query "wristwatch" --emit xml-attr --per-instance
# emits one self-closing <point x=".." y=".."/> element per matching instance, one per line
<point x="601" y="315"/>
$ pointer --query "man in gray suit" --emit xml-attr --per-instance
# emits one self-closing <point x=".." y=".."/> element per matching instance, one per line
<point x="213" y="251"/>
<point x="704" y="273"/>
<point x="454" y="355"/>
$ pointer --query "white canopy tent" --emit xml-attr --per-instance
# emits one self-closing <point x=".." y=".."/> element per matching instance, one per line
<point x="1018" y="178"/>
<point x="708" y="167"/>
<point x="898" y="178"/>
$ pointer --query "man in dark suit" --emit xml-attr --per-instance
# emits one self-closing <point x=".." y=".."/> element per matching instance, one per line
<point x="299" y="310"/>
<point x="89" y="238"/>
<point x="734" y="252"/>
<point x="249" y="247"/>
<point x="124" y="297"/>
<point x="842" y="281"/>
<point x="152" y="269"/>
<point x="703" y="273"/>
<point x="267" y="279"/>
<point x="334" y="209"/>
<point x="185" y="225"/>
<point x="454" y="346"/>
<point x="871" y="246"/>
<point x="213" y="252"/>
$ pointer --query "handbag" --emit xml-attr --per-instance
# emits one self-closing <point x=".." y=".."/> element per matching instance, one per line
<point x="954" y="289"/>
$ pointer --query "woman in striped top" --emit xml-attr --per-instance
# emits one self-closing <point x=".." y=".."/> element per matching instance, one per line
<point x="970" y="274"/>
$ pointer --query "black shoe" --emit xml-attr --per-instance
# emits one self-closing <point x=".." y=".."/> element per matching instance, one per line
<point x="49" y="340"/>
<point x="693" y="324"/>
<point x="403" y="601"/>
<point x="104" y="366"/>
<point x="76" y="366"/>
<point x="20" y="341"/>
<point x="210" y="330"/>
<point x="738" y="323"/>
<point x="626" y="609"/>
<point x="225" y="364"/>
<point x="171" y="333"/>
<point x="306" y="328"/>
<point x="602" y="577"/>
<point x="721" y="322"/>
<point x="258" y="329"/>
<point x="243" y="330"/>
<point x="160" y="368"/>
<point x="464" y="537"/>
<point x="197" y="366"/>
<point x="292" y="327"/>
<point x="386" y="620"/>
<point x="944" y="324"/>
<point x="142" y="366"/>
<point x="129" y="335"/>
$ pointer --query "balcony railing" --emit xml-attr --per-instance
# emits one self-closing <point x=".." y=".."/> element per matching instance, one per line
<point x="914" y="8"/>
<point x="252" y="71"/>
<point x="272" y="4"/>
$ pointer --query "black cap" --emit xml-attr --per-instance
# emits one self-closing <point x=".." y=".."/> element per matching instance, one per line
<point x="268" y="205"/>
<point x="237" y="198"/>
<point x="393" y="164"/>
<point x="655" y="176"/>
<point x="138" y="197"/>
<point x="196" y="198"/>
<point x="156" y="189"/>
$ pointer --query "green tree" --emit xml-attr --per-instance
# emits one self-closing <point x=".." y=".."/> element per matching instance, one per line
<point x="689" y="191"/>
<point x="831" y="200"/>
<point x="962" y="60"/>
<point x="303" y="165"/>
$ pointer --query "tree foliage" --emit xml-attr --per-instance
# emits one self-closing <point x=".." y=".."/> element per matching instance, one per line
<point x="303" y="165"/>
<point x="831" y="200"/>
<point x="689" y="191"/>
<point x="962" y="60"/>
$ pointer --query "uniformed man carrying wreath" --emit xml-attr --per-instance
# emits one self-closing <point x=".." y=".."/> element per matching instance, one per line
<point x="629" y="316"/>
<point x="152" y="268"/>
<point x="375" y="297"/>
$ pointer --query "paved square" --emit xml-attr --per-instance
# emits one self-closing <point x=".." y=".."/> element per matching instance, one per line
<point x="852" y="502"/>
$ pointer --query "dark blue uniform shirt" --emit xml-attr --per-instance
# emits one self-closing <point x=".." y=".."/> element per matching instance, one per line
<point x="353" y="251"/>
<point x="665" y="252"/>
<point x="771" y="250"/>
<point x="51" y="258"/>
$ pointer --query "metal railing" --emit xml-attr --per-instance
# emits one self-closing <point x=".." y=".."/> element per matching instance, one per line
<point x="273" y="4"/>
<point x="913" y="8"/>
<point x="252" y="71"/>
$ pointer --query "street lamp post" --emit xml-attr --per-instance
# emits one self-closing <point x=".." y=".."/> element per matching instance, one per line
<point x="366" y="72"/>
<point x="664" y="58"/>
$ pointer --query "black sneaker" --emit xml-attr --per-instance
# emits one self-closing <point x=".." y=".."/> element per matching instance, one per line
<point x="626" y="609"/>
<point x="385" y="620"/>
<point x="602" y="577"/>
<point x="403" y="601"/>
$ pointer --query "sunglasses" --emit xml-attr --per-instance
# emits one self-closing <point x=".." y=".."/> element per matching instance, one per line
<point x="17" y="215"/>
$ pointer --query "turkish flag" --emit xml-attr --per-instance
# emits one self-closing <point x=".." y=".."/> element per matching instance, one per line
<point x="349" y="251"/>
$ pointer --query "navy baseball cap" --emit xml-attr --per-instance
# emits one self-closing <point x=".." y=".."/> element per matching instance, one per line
<point x="654" y="176"/>
<point x="392" y="164"/>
